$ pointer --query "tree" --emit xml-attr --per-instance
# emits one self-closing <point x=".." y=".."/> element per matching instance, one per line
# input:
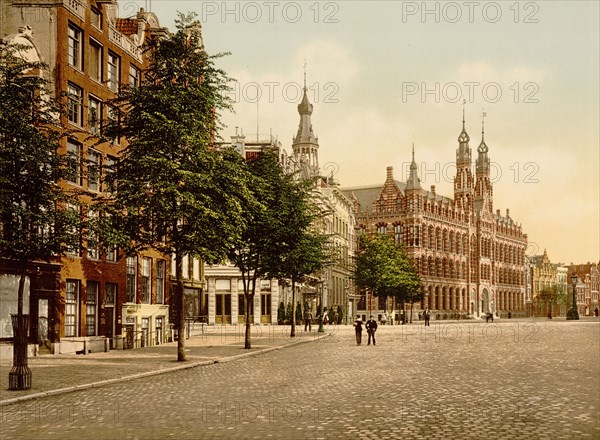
<point x="549" y="295"/>
<point x="35" y="223"/>
<point x="281" y="313"/>
<point x="277" y="242"/>
<point x="305" y="249"/>
<point x="172" y="191"/>
<point x="383" y="267"/>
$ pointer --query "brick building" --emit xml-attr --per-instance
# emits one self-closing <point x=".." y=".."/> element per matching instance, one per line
<point x="471" y="260"/>
<point x="101" y="297"/>
<point x="588" y="281"/>
<point x="547" y="277"/>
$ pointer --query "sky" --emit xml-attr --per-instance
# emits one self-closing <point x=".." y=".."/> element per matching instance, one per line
<point x="383" y="75"/>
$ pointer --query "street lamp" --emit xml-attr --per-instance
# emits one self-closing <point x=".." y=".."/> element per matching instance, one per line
<point x="347" y="302"/>
<point x="573" y="314"/>
<point x="321" y="328"/>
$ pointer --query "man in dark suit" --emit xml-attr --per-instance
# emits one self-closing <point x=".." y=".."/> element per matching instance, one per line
<point x="371" y="327"/>
<point x="358" y="329"/>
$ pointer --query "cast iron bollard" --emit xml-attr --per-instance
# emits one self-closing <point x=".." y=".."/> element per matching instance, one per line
<point x="19" y="377"/>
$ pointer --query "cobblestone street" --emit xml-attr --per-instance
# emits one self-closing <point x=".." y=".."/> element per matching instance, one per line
<point x="509" y="380"/>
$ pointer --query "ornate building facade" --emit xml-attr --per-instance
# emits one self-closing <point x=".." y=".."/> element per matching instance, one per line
<point x="471" y="260"/>
<point x="335" y="282"/>
<point x="100" y="297"/>
<point x="548" y="286"/>
<point x="588" y="286"/>
<point x="224" y="283"/>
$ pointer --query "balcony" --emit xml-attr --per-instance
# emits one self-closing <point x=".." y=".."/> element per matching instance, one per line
<point x="124" y="43"/>
<point x="77" y="7"/>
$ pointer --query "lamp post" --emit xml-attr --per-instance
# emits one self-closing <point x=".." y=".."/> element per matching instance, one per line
<point x="573" y="314"/>
<point x="321" y="328"/>
<point x="347" y="302"/>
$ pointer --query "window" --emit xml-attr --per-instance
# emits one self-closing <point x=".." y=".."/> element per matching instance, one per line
<point x="146" y="280"/>
<point x="398" y="234"/>
<point x="190" y="268"/>
<point x="96" y="19"/>
<point x="94" y="115"/>
<point x="73" y="162"/>
<point x="134" y="76"/>
<point x="75" y="105"/>
<point x="95" y="57"/>
<point x="265" y="304"/>
<point x="73" y="246"/>
<point x="158" y="326"/>
<point x="92" y="242"/>
<point x="113" y="122"/>
<point x="130" y="282"/>
<point x="109" y="167"/>
<point x="114" y="66"/>
<point x="160" y="281"/>
<point x="93" y="170"/>
<point x="110" y="294"/>
<point x="71" y="310"/>
<point x="91" y="300"/>
<point x="242" y="306"/>
<point x="145" y="332"/>
<point x="382" y="229"/>
<point x="75" y="54"/>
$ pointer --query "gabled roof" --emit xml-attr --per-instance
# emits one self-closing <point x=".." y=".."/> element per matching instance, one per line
<point x="367" y="195"/>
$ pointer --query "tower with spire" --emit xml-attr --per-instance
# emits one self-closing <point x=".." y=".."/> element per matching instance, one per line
<point x="306" y="145"/>
<point x="413" y="183"/>
<point x="463" y="181"/>
<point x="483" y="185"/>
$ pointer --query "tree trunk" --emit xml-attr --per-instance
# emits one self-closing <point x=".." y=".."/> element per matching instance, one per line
<point x="19" y="377"/>
<point x="21" y="292"/>
<point x="179" y="308"/>
<point x="249" y="296"/>
<point x="293" y="330"/>
<point x="411" y="310"/>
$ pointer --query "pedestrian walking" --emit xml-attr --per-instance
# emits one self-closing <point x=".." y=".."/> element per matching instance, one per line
<point x="426" y="317"/>
<point x="307" y="320"/>
<point x="358" y="329"/>
<point x="371" y="327"/>
<point x="596" y="312"/>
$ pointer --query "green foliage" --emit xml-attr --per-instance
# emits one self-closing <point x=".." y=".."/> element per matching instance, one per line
<point x="172" y="190"/>
<point x="35" y="222"/>
<point x="298" y="312"/>
<point x="551" y="294"/>
<point x="288" y="312"/>
<point x="383" y="267"/>
<point x="281" y="313"/>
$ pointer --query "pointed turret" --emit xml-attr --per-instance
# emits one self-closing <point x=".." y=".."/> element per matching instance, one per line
<point x="483" y="186"/>
<point x="463" y="181"/>
<point x="413" y="182"/>
<point x="306" y="145"/>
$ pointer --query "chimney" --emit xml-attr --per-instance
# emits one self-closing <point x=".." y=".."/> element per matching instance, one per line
<point x="498" y="212"/>
<point x="390" y="173"/>
<point x="433" y="189"/>
<point x="507" y="213"/>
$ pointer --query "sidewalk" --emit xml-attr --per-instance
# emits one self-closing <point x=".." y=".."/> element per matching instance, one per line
<point x="55" y="374"/>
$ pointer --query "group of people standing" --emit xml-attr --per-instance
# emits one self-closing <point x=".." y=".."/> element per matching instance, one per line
<point x="370" y="325"/>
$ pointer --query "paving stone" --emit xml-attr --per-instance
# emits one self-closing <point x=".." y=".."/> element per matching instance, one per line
<point x="514" y="380"/>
